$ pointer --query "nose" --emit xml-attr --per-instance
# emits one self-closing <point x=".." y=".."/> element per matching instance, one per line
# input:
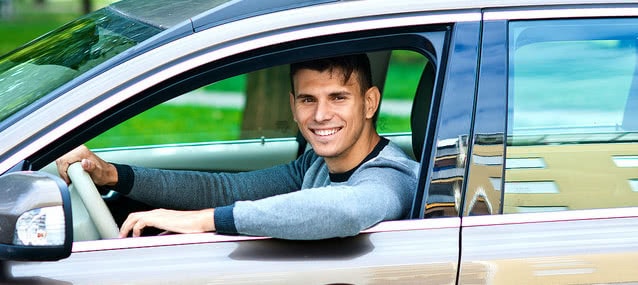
<point x="323" y="111"/>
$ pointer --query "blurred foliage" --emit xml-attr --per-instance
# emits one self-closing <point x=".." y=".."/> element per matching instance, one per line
<point x="28" y="20"/>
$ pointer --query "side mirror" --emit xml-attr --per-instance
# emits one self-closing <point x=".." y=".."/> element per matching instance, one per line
<point x="35" y="217"/>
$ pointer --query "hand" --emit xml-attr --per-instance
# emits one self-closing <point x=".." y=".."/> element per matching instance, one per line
<point x="101" y="172"/>
<point x="170" y="220"/>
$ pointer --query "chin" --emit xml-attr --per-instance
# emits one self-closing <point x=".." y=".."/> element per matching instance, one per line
<point x="325" y="152"/>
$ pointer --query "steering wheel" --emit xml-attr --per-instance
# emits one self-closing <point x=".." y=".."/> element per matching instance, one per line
<point x="95" y="206"/>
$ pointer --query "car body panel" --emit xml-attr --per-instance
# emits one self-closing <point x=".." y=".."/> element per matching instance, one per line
<point x="586" y="246"/>
<point x="573" y="247"/>
<point x="390" y="254"/>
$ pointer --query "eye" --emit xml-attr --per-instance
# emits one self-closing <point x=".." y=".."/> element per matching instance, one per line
<point x="339" y="98"/>
<point x="306" y="99"/>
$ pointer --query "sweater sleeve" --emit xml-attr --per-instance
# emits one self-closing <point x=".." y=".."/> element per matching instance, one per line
<point x="191" y="190"/>
<point x="379" y="190"/>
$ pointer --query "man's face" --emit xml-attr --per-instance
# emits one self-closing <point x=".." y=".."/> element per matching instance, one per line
<point x="335" y="118"/>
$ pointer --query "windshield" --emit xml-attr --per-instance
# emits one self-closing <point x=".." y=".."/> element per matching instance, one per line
<point x="41" y="66"/>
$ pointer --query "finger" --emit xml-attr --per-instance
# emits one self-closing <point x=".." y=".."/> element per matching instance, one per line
<point x="139" y="227"/>
<point x="124" y="232"/>
<point x="87" y="165"/>
<point x="62" y="167"/>
<point x="128" y="224"/>
<point x="90" y="167"/>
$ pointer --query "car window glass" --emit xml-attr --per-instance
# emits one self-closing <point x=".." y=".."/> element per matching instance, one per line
<point x="571" y="132"/>
<point x="243" y="107"/>
<point x="54" y="59"/>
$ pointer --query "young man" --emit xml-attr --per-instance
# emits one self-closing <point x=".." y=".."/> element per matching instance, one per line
<point x="350" y="180"/>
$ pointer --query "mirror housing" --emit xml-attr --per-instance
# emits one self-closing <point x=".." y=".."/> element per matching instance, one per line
<point x="35" y="217"/>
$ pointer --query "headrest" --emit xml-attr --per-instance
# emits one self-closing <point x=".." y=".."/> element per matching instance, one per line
<point x="421" y="109"/>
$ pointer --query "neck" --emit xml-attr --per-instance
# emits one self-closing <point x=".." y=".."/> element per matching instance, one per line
<point x="353" y="156"/>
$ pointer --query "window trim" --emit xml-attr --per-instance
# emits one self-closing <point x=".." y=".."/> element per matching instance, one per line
<point x="560" y="12"/>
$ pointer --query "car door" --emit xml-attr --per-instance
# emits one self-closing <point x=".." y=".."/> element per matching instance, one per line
<point x="551" y="196"/>
<point x="397" y="252"/>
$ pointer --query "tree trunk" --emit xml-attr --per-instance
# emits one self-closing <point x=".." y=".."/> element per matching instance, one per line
<point x="87" y="6"/>
<point x="267" y="113"/>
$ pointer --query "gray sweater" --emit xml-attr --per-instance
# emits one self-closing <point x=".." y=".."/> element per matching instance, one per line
<point x="298" y="200"/>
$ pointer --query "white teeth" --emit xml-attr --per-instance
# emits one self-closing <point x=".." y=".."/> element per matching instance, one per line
<point x="326" y="132"/>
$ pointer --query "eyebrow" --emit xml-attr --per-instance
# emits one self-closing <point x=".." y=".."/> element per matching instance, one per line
<point x="340" y="93"/>
<point x="333" y="94"/>
<point x="304" y="95"/>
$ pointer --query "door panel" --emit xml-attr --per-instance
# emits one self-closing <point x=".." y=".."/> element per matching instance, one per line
<point x="399" y="252"/>
<point x="552" y="133"/>
<point x="583" y="247"/>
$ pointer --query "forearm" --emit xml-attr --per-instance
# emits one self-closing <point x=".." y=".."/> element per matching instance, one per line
<point x="189" y="190"/>
<point x="318" y="213"/>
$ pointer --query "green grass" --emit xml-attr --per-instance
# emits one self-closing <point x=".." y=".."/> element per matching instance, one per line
<point x="165" y="124"/>
<point x="30" y="27"/>
<point x="29" y="21"/>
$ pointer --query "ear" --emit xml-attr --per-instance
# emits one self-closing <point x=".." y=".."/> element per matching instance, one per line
<point x="372" y="99"/>
<point x="292" y="106"/>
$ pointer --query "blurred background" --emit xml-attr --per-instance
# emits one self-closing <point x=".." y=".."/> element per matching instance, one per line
<point x="24" y="20"/>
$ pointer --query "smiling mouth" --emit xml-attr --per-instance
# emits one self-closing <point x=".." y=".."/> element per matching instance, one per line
<point x="325" y="132"/>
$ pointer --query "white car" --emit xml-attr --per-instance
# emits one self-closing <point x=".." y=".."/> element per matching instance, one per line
<point x="522" y="115"/>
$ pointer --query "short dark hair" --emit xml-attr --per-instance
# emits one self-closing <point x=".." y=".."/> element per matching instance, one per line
<point x="359" y="63"/>
<point x="348" y="64"/>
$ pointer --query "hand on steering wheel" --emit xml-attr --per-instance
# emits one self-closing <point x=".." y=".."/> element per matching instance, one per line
<point x="97" y="209"/>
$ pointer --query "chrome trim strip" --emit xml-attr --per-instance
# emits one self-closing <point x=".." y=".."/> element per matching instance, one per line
<point x="574" y="215"/>
<point x="183" y="239"/>
<point x="173" y="51"/>
<point x="559" y="13"/>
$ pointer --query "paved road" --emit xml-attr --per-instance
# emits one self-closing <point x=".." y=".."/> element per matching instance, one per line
<point x="234" y="100"/>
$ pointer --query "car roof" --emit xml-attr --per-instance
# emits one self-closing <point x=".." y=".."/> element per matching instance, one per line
<point x="168" y="13"/>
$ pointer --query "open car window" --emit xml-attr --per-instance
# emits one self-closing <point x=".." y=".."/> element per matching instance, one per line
<point x="241" y="123"/>
<point x="255" y="106"/>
